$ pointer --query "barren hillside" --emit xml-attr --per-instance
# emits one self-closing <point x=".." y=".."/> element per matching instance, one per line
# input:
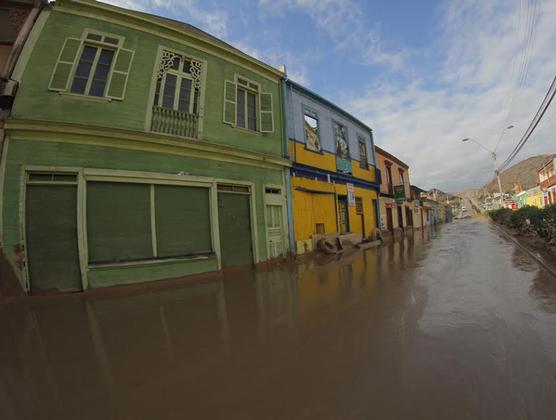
<point x="524" y="172"/>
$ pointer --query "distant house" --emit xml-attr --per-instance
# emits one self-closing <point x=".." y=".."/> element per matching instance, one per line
<point x="396" y="206"/>
<point x="547" y="180"/>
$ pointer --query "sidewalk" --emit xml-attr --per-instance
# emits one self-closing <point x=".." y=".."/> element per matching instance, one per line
<point x="544" y="258"/>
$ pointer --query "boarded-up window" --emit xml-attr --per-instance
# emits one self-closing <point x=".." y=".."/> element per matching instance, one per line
<point x="118" y="222"/>
<point x="182" y="221"/>
<point x="358" y="205"/>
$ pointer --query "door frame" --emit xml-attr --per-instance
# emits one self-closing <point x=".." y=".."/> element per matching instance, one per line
<point x="341" y="198"/>
<point x="80" y="216"/>
<point x="276" y="200"/>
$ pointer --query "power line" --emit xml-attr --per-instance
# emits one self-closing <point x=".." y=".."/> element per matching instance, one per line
<point x="529" y="36"/>
<point x="536" y="120"/>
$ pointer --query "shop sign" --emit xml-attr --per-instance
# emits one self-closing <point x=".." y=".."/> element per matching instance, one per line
<point x="351" y="195"/>
<point x="399" y="192"/>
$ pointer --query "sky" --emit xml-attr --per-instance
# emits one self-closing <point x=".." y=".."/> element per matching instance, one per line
<point x="422" y="74"/>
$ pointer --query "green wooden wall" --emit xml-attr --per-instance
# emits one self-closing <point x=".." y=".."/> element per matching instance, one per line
<point x="34" y="100"/>
<point x="23" y="153"/>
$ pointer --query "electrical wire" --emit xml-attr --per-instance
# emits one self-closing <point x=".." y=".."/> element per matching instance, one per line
<point x="533" y="125"/>
<point x="529" y="37"/>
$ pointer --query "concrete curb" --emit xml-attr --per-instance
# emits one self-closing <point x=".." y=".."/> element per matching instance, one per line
<point x="532" y="253"/>
<point x="368" y="245"/>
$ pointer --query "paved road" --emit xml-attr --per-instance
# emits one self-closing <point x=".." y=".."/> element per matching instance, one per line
<point x="453" y="324"/>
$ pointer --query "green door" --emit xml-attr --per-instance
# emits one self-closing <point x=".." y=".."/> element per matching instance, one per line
<point x="51" y="235"/>
<point x="234" y="218"/>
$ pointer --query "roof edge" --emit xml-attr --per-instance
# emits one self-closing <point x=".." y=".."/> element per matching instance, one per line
<point x="158" y="21"/>
<point x="388" y="155"/>
<point x="328" y="103"/>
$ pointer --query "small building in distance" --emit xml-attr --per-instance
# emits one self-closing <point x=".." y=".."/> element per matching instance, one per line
<point x="396" y="206"/>
<point x="547" y="181"/>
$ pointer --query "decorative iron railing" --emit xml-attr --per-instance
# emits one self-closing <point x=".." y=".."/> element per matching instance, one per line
<point x="169" y="121"/>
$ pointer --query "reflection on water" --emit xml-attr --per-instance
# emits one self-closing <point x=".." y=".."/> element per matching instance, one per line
<point x="329" y="337"/>
<point x="100" y="356"/>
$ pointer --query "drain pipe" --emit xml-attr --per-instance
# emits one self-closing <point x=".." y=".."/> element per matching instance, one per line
<point x="287" y="171"/>
<point x="378" y="182"/>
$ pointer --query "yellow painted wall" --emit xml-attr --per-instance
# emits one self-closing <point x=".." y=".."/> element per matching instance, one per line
<point x="320" y="287"/>
<point x="324" y="160"/>
<point x="312" y="208"/>
<point x="361" y="173"/>
<point x="535" y="200"/>
<point x="327" y="161"/>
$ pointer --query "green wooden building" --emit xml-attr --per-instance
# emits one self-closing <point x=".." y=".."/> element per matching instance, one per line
<point x="138" y="148"/>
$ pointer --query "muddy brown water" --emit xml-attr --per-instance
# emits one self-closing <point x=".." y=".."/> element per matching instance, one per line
<point x="452" y="324"/>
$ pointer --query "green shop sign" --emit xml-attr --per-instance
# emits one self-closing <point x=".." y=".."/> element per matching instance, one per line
<point x="399" y="192"/>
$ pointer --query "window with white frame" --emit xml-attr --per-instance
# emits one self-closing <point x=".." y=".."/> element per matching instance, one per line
<point x="94" y="65"/>
<point x="246" y="98"/>
<point x="246" y="106"/>
<point x="178" y="83"/>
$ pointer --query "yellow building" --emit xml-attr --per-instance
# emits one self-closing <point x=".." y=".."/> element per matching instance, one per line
<point x="334" y="186"/>
<point x="534" y="197"/>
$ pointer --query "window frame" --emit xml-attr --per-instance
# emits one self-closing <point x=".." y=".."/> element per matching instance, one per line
<point x="248" y="89"/>
<point x="180" y="75"/>
<point x="99" y="48"/>
<point x="334" y="123"/>
<point x="361" y="140"/>
<point x="99" y="45"/>
<point x="312" y="114"/>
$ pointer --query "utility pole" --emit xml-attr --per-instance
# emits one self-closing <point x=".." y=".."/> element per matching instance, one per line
<point x="500" y="188"/>
<point x="496" y="169"/>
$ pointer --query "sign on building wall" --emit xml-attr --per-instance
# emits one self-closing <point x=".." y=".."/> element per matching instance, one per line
<point x="351" y="195"/>
<point x="416" y="206"/>
<point x="399" y="192"/>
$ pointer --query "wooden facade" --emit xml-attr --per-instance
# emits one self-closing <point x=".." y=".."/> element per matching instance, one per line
<point x="134" y="147"/>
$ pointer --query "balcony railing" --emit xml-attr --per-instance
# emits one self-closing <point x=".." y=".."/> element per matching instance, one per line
<point x="548" y="182"/>
<point x="169" y="121"/>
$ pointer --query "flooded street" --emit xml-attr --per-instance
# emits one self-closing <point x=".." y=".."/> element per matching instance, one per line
<point x="453" y="324"/>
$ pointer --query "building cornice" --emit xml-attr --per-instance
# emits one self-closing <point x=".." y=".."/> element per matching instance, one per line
<point x="28" y="129"/>
<point x="389" y="156"/>
<point x="315" y="96"/>
<point x="168" y="29"/>
<point x="306" y="171"/>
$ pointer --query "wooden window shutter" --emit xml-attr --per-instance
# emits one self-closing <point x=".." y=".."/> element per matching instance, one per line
<point x="267" y="116"/>
<point x="120" y="74"/>
<point x="64" y="66"/>
<point x="230" y="102"/>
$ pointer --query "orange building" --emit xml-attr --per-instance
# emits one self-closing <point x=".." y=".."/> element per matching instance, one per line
<point x="396" y="205"/>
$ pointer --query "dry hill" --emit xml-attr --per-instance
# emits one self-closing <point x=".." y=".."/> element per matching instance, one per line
<point x="524" y="173"/>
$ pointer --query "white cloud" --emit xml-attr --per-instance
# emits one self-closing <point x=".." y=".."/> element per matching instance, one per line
<point x="214" y="21"/>
<point x="424" y="120"/>
<point x="345" y="24"/>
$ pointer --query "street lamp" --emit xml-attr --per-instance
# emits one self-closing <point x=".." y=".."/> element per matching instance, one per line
<point x="493" y="156"/>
